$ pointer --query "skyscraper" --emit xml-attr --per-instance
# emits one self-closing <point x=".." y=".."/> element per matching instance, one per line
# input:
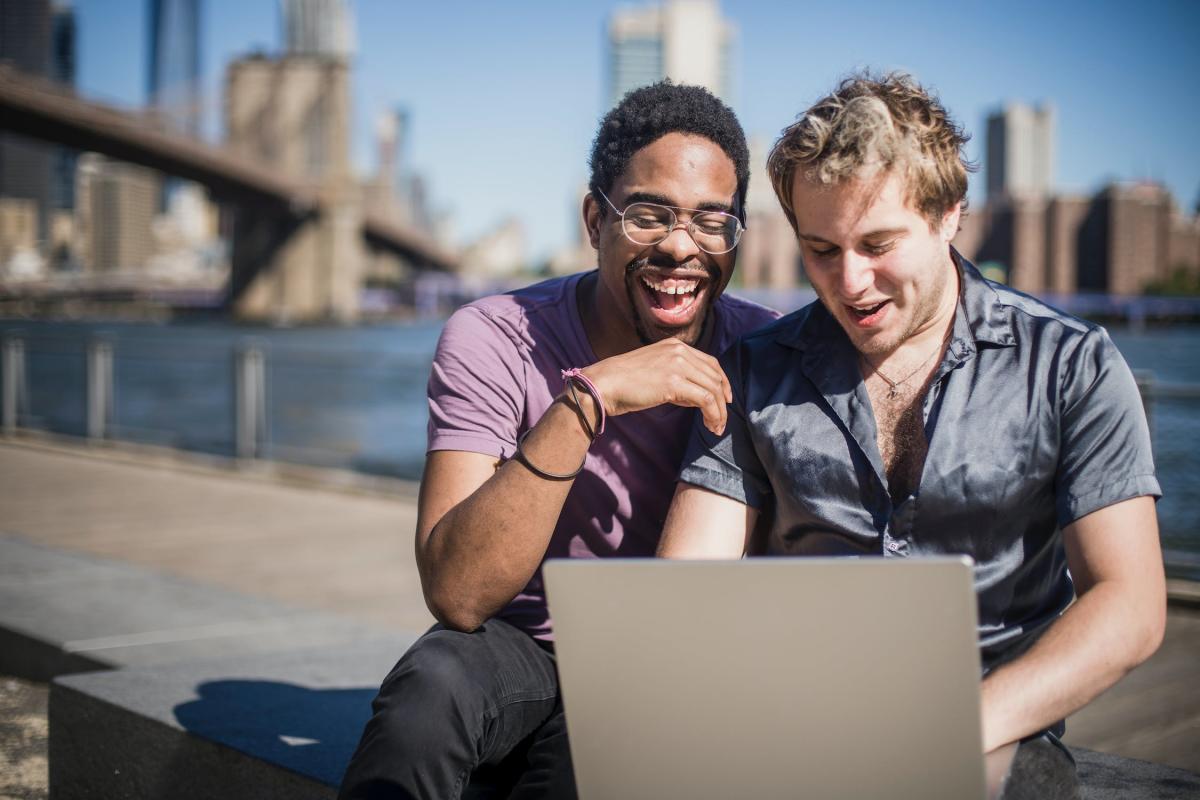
<point x="1020" y="152"/>
<point x="119" y="201"/>
<point x="684" y="40"/>
<point x="173" y="82"/>
<point x="321" y="28"/>
<point x="62" y="70"/>
<point x="25" y="164"/>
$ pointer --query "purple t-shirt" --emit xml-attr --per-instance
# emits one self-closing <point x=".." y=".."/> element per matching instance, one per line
<point x="498" y="368"/>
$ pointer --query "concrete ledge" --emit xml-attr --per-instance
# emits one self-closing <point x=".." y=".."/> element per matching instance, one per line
<point x="285" y="725"/>
<point x="260" y="728"/>
<point x="1109" y="777"/>
<point x="64" y="612"/>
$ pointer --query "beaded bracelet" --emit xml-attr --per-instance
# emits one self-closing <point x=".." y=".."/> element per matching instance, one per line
<point x="572" y="376"/>
<point x="519" y="455"/>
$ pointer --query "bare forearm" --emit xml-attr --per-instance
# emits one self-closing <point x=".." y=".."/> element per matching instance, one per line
<point x="484" y="550"/>
<point x="1093" y="645"/>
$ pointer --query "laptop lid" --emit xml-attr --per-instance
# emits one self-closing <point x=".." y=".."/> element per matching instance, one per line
<point x="775" y="677"/>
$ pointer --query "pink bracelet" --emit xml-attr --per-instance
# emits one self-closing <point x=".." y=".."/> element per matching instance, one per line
<point x="573" y="374"/>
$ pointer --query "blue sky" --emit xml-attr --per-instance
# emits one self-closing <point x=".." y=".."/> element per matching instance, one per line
<point x="504" y="97"/>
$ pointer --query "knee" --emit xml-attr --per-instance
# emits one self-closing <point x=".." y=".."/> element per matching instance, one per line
<point x="432" y="686"/>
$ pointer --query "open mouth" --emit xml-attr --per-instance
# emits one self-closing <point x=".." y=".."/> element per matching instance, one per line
<point x="867" y="315"/>
<point x="672" y="300"/>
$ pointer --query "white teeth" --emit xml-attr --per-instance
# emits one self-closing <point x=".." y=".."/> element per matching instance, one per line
<point x="671" y="286"/>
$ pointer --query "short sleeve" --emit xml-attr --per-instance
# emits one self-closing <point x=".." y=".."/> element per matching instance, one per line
<point x="1104" y="450"/>
<point x="476" y="387"/>
<point x="727" y="464"/>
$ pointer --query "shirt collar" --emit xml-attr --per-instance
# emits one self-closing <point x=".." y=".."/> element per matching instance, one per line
<point x="980" y="317"/>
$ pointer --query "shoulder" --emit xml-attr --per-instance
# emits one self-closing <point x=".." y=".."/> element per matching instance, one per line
<point x="737" y="316"/>
<point x="1037" y="323"/>
<point x="518" y="316"/>
<point x="781" y="330"/>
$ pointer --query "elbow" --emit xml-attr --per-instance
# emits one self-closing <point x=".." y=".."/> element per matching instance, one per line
<point x="1153" y="631"/>
<point x="1147" y="635"/>
<point x="453" y="613"/>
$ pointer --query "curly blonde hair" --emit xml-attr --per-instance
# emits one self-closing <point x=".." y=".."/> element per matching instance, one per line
<point x="870" y="125"/>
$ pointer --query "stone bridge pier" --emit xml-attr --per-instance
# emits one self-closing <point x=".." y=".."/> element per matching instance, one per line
<point x="294" y="267"/>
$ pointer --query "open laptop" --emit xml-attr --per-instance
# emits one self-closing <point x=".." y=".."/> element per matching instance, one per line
<point x="770" y="678"/>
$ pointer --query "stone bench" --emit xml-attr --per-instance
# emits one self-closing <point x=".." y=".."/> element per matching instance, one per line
<point x="209" y="693"/>
<point x="284" y="726"/>
<point x="258" y="727"/>
<point x="66" y="612"/>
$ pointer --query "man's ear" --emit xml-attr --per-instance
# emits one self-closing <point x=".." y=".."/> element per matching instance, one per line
<point x="950" y="222"/>
<point x="593" y="216"/>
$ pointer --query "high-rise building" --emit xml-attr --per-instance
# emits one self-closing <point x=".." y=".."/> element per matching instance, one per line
<point x="1020" y="152"/>
<point x="684" y="40"/>
<point x="25" y="164"/>
<point x="1123" y="240"/>
<point x="120" y="203"/>
<point x="173" y="81"/>
<point x="62" y="70"/>
<point x="323" y="28"/>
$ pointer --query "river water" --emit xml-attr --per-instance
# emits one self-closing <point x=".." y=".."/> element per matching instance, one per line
<point x="355" y="397"/>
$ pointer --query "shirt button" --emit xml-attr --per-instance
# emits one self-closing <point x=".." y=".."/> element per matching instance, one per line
<point x="893" y="545"/>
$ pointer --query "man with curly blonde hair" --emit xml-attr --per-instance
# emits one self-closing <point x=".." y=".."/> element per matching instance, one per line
<point x="918" y="409"/>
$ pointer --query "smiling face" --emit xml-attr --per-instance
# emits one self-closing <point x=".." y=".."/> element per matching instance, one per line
<point x="875" y="262"/>
<point x="650" y="292"/>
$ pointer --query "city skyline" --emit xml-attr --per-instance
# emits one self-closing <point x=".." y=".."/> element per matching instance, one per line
<point x="541" y="95"/>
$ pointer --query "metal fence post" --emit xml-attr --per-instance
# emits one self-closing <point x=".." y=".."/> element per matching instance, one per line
<point x="250" y="384"/>
<point x="15" y="400"/>
<point x="100" y="388"/>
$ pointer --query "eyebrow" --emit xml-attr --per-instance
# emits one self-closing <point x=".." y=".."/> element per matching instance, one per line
<point x="663" y="200"/>
<point x="812" y="237"/>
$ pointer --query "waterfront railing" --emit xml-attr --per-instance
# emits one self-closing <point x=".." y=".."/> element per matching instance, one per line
<point x="365" y="410"/>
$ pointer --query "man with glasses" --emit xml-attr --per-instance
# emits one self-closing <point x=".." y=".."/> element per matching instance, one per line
<point x="558" y="418"/>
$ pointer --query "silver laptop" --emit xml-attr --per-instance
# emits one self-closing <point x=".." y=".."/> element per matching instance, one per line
<point x="769" y="678"/>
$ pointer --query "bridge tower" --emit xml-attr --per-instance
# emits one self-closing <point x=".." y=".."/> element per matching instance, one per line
<point x="292" y="115"/>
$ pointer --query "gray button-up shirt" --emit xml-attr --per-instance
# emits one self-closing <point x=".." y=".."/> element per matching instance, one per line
<point x="1033" y="421"/>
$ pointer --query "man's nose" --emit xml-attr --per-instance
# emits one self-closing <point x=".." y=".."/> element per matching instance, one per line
<point x="856" y="274"/>
<point x="679" y="244"/>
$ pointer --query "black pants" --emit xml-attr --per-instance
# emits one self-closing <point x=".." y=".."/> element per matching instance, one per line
<point x="487" y="704"/>
<point x="1042" y="769"/>
<point x="457" y="704"/>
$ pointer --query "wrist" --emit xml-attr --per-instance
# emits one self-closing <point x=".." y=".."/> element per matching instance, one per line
<point x="583" y="412"/>
<point x="586" y="399"/>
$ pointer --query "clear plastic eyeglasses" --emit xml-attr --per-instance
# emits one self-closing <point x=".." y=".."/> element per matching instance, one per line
<point x="713" y="232"/>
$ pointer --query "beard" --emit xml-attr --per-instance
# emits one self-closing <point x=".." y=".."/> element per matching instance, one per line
<point x="639" y="325"/>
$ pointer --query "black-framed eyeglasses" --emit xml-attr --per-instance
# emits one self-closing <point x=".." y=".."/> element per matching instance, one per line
<point x="714" y="232"/>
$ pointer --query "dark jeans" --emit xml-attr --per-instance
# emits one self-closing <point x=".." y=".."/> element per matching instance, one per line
<point x="1042" y="769"/>
<point x="458" y="704"/>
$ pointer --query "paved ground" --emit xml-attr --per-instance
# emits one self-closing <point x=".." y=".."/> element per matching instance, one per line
<point x="23" y="762"/>
<point x="341" y="551"/>
<point x="351" y="552"/>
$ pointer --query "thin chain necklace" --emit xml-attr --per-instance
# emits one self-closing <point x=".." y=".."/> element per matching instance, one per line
<point x="894" y="386"/>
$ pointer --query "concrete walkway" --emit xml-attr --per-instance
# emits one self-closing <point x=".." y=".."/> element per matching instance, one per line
<point x="294" y="539"/>
<point x="334" y="550"/>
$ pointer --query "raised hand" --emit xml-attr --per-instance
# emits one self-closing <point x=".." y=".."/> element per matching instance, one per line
<point x="668" y="371"/>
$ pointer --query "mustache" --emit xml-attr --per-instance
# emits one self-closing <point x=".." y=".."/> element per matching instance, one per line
<point x="714" y="274"/>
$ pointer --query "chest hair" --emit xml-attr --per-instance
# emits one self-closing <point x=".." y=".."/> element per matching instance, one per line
<point x="900" y="434"/>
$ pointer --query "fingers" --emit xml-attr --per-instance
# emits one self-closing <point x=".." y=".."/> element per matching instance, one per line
<point x="703" y="392"/>
<point x="705" y="372"/>
<point x="668" y="371"/>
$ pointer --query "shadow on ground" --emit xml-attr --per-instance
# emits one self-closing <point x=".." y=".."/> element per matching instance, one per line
<point x="310" y="731"/>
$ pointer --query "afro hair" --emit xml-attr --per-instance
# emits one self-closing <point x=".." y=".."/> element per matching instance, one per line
<point x="646" y="114"/>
